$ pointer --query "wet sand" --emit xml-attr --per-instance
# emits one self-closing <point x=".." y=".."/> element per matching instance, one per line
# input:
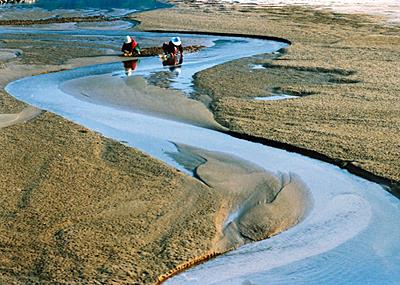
<point x="135" y="94"/>
<point x="257" y="204"/>
<point x="77" y="207"/>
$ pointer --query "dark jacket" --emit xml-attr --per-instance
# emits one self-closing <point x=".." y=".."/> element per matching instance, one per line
<point x="170" y="48"/>
<point x="130" y="47"/>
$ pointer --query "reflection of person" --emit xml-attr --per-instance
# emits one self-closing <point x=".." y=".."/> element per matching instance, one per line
<point x="130" y="47"/>
<point x="171" y="50"/>
<point x="175" y="70"/>
<point x="130" y="66"/>
<point x="169" y="60"/>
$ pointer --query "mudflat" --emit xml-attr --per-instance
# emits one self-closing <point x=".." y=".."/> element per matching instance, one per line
<point x="77" y="207"/>
<point x="82" y="208"/>
<point x="343" y="68"/>
<point x="134" y="93"/>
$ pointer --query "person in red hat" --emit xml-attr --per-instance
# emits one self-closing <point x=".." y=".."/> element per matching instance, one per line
<point x="130" y="47"/>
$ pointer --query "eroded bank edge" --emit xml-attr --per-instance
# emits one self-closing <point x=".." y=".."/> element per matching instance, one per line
<point x="391" y="185"/>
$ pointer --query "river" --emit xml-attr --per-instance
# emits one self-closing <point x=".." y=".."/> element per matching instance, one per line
<point x="350" y="234"/>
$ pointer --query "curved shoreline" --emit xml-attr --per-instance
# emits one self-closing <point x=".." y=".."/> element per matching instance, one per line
<point x="350" y="207"/>
<point x="343" y="31"/>
<point x="391" y="185"/>
<point x="274" y="228"/>
<point x="255" y="138"/>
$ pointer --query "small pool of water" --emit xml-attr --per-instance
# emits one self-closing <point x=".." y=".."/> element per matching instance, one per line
<point x="275" y="97"/>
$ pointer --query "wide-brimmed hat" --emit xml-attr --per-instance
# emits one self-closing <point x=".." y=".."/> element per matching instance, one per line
<point x="176" y="41"/>
<point x="128" y="40"/>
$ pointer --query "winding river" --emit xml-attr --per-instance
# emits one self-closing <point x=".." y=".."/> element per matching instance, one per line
<point x="351" y="233"/>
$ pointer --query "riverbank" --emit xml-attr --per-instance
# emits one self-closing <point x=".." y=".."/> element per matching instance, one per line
<point x="95" y="231"/>
<point x="343" y="68"/>
<point x="79" y="206"/>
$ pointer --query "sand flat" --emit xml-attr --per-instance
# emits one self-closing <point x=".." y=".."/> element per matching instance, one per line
<point x="52" y="234"/>
<point x="134" y="93"/>
<point x="82" y="207"/>
<point x="348" y="67"/>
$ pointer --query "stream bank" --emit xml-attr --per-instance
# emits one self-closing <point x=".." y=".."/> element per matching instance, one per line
<point x="349" y="108"/>
<point x="49" y="132"/>
<point x="333" y="211"/>
<point x="14" y="138"/>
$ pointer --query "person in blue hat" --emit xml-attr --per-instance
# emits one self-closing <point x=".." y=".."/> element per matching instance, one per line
<point x="172" y="48"/>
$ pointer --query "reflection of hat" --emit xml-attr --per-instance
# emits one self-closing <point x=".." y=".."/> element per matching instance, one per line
<point x="176" y="41"/>
<point x="128" y="40"/>
<point x="177" y="70"/>
<point x="128" y="71"/>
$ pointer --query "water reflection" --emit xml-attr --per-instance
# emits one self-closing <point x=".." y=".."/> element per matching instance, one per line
<point x="175" y="70"/>
<point x="165" y="77"/>
<point x="130" y="66"/>
<point x="173" y="64"/>
<point x="169" y="60"/>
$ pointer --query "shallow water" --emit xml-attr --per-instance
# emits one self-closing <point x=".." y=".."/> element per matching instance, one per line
<point x="97" y="4"/>
<point x="275" y="97"/>
<point x="44" y="9"/>
<point x="351" y="234"/>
